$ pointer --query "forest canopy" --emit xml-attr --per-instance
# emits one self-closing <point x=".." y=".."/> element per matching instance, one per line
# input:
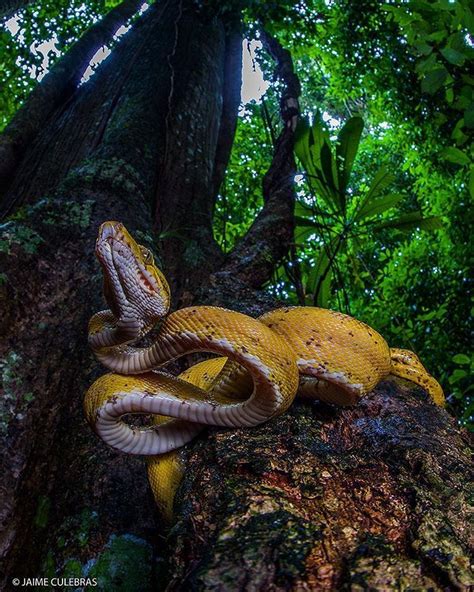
<point x="384" y="154"/>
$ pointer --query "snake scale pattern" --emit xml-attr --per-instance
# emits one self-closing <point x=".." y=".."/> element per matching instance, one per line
<point x="262" y="363"/>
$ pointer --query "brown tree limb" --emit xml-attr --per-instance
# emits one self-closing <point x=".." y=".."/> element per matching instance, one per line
<point x="289" y="106"/>
<point x="230" y="106"/>
<point x="54" y="90"/>
<point x="254" y="258"/>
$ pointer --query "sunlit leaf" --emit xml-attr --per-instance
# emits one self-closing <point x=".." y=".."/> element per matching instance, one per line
<point x="456" y="156"/>
<point x="346" y="150"/>
<point x="411" y="221"/>
<point x="378" y="205"/>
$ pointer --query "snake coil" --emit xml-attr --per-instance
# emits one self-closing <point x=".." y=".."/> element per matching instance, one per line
<point x="262" y="362"/>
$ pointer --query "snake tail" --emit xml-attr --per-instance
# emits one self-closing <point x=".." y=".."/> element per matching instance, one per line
<point x="406" y="364"/>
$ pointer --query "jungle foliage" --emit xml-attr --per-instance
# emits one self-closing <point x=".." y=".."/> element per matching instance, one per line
<point x="385" y="157"/>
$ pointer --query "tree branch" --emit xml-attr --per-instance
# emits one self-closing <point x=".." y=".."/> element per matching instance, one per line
<point x="230" y="106"/>
<point x="256" y="255"/>
<point x="371" y="497"/>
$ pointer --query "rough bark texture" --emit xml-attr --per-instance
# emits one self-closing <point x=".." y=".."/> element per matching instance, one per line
<point x="205" y="72"/>
<point x="52" y="93"/>
<point x="367" y="498"/>
<point x="375" y="497"/>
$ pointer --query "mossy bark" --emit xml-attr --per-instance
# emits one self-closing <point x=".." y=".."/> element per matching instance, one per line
<point x="374" y="497"/>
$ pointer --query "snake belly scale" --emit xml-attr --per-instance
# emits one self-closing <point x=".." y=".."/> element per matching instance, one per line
<point x="263" y="363"/>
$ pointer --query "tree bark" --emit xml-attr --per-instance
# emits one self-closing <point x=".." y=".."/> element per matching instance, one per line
<point x="51" y="94"/>
<point x="375" y="497"/>
<point x="100" y="157"/>
<point x="317" y="498"/>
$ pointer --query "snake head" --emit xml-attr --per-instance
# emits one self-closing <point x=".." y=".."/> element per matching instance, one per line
<point x="135" y="289"/>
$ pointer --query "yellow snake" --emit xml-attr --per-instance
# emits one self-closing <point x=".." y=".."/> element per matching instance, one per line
<point x="264" y="362"/>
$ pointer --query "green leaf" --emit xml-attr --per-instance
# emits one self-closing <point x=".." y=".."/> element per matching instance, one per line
<point x="423" y="48"/>
<point x="425" y="65"/>
<point x="411" y="221"/>
<point x="320" y="148"/>
<point x="346" y="150"/>
<point x="453" y="56"/>
<point x="301" y="209"/>
<point x="457" y="41"/>
<point x="457" y="133"/>
<point x="315" y="273"/>
<point x="309" y="143"/>
<point x="381" y="180"/>
<point x="317" y="139"/>
<point x="302" y="235"/>
<point x="469" y="115"/>
<point x="434" y="80"/>
<point x="456" y="156"/>
<point x="457" y="375"/>
<point x="471" y="183"/>
<point x="327" y="167"/>
<point x="302" y="146"/>
<point x="322" y="297"/>
<point x="307" y="222"/>
<point x="437" y="36"/>
<point x="320" y="276"/>
<point x="378" y="205"/>
<point x="461" y="359"/>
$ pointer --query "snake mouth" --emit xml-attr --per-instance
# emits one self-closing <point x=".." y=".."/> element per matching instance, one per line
<point x="118" y="252"/>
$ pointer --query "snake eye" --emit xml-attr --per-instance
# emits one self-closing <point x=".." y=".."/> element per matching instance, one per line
<point x="147" y="256"/>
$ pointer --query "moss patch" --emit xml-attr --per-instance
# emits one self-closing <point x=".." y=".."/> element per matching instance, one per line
<point x="42" y="511"/>
<point x="16" y="399"/>
<point x="123" y="566"/>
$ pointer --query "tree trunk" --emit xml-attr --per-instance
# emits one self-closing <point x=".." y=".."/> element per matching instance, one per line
<point x="318" y="498"/>
<point x="100" y="157"/>
<point x="52" y="93"/>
